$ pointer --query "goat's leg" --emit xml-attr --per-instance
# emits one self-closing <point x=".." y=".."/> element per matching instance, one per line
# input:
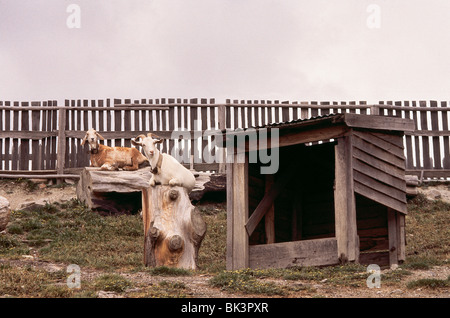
<point x="133" y="166"/>
<point x="152" y="181"/>
<point x="109" y="167"/>
<point x="174" y="182"/>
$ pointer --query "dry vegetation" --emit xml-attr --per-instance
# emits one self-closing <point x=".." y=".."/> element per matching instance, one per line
<point x="41" y="242"/>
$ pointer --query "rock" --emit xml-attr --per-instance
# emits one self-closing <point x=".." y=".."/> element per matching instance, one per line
<point x="5" y="212"/>
<point x="435" y="194"/>
<point x="33" y="205"/>
<point x="208" y="183"/>
<point x="108" y="294"/>
<point x="394" y="267"/>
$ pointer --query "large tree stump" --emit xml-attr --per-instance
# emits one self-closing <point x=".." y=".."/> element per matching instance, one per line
<point x="173" y="228"/>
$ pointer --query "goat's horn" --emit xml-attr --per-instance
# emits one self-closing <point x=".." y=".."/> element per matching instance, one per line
<point x="153" y="136"/>
<point x="140" y="136"/>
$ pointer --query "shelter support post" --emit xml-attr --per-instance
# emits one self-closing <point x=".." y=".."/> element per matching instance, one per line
<point x="237" y="214"/>
<point x="344" y="202"/>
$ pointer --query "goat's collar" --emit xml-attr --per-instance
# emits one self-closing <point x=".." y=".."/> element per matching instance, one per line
<point x="156" y="169"/>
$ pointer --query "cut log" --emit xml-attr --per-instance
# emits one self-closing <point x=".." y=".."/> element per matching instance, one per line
<point x="207" y="183"/>
<point x="412" y="182"/>
<point x="173" y="228"/>
<point x="5" y="212"/>
<point x="113" y="191"/>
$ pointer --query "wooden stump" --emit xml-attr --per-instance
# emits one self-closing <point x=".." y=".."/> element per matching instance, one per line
<point x="173" y="228"/>
<point x="114" y="191"/>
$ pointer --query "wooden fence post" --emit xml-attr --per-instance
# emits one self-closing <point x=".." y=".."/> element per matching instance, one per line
<point x="221" y="155"/>
<point x="61" y="141"/>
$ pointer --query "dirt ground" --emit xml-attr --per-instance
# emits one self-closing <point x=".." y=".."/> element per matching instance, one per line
<point x="198" y="284"/>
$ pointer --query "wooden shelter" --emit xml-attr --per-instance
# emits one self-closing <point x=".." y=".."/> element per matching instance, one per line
<point x="339" y="194"/>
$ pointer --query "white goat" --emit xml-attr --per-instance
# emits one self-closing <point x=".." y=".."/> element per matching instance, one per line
<point x="166" y="169"/>
<point x="112" y="158"/>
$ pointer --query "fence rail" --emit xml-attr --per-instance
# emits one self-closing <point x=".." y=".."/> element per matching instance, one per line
<point x="44" y="138"/>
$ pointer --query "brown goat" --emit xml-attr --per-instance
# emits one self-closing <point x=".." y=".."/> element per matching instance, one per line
<point x="112" y="158"/>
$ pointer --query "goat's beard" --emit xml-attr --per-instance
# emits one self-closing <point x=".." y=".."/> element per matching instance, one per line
<point x="93" y="150"/>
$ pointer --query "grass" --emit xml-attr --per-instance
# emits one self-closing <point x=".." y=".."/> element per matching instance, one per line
<point x="431" y="283"/>
<point x="246" y="282"/>
<point x="70" y="233"/>
<point x="428" y="231"/>
<point x="112" y="282"/>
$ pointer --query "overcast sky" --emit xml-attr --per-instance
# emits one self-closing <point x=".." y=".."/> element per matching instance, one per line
<point x="240" y="49"/>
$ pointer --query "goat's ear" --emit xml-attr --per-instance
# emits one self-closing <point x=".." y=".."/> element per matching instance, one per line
<point x="158" y="141"/>
<point x="135" y="143"/>
<point x="84" y="140"/>
<point x="100" y="136"/>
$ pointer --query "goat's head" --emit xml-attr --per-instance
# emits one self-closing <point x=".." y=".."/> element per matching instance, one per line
<point x="148" y="143"/>
<point x="92" y="138"/>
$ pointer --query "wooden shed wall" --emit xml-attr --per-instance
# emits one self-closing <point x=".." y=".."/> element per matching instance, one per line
<point x="379" y="168"/>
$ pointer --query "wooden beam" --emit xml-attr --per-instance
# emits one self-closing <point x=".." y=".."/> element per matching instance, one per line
<point x="230" y="217"/>
<point x="61" y="154"/>
<point x="289" y="138"/>
<point x="34" y="135"/>
<point x="379" y="122"/>
<point x="317" y="252"/>
<point x="393" y="236"/>
<point x="267" y="201"/>
<point x="344" y="202"/>
<point x="401" y="237"/>
<point x="269" y="218"/>
<point x="237" y="192"/>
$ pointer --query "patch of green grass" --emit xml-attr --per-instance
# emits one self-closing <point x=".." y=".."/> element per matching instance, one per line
<point x="165" y="289"/>
<point x="168" y="271"/>
<point x="29" y="282"/>
<point x="428" y="230"/>
<point x="112" y="282"/>
<point x="432" y="283"/>
<point x="71" y="233"/>
<point x="212" y="253"/>
<point x="420" y="263"/>
<point x="244" y="281"/>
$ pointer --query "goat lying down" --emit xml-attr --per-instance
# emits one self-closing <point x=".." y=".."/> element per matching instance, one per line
<point x="166" y="170"/>
<point x="112" y="158"/>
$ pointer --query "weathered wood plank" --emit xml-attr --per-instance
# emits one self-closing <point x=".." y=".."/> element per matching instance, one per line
<point x="427" y="164"/>
<point x="379" y="122"/>
<point x="24" y="143"/>
<point x="446" y="139"/>
<point x="269" y="218"/>
<point x="379" y="141"/>
<point x="395" y="182"/>
<point x="384" y="166"/>
<point x="379" y="186"/>
<point x="379" y="258"/>
<point x="380" y="197"/>
<point x="393" y="237"/>
<point x="344" y="202"/>
<point x="230" y="216"/>
<point x="318" y="252"/>
<point x="240" y="215"/>
<point x="378" y="153"/>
